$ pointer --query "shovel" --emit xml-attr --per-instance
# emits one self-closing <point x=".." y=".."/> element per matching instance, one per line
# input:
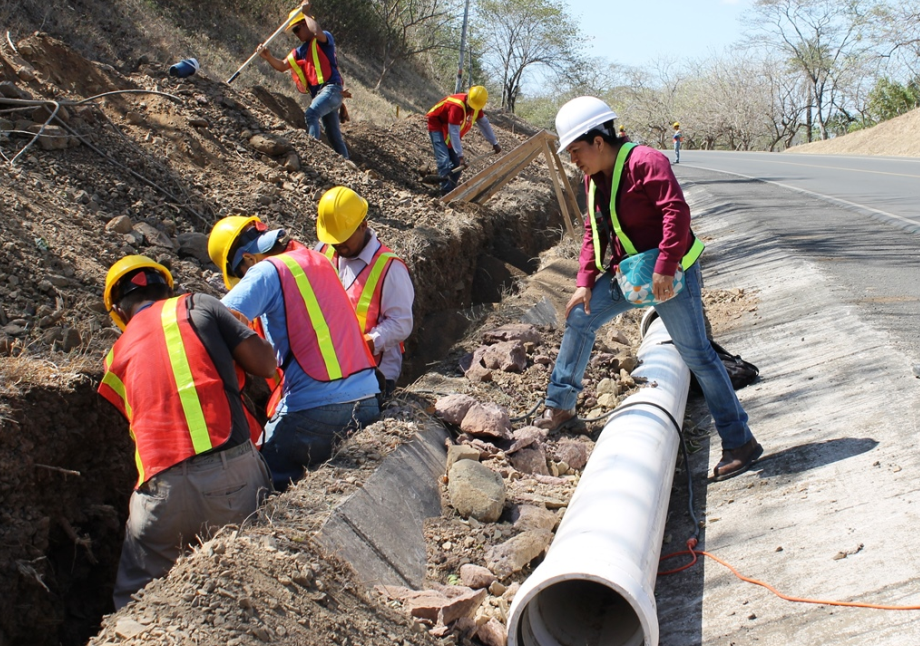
<point x="256" y="53"/>
<point x="471" y="161"/>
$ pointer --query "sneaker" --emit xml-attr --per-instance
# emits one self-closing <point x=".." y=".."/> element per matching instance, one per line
<point x="736" y="461"/>
<point x="554" y="419"/>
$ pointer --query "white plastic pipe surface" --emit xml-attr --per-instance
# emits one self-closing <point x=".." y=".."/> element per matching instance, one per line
<point x="596" y="585"/>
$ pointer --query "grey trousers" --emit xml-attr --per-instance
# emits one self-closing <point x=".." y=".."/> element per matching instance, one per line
<point x="190" y="499"/>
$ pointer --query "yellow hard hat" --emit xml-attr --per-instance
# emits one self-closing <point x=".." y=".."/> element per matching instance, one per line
<point x="677" y="124"/>
<point x="339" y="214"/>
<point x="294" y="17"/>
<point x="477" y="97"/>
<point x="122" y="268"/>
<point x="221" y="240"/>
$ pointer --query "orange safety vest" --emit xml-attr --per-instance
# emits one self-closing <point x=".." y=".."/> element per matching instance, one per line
<point x="160" y="376"/>
<point x="311" y="71"/>
<point x="440" y="111"/>
<point x="322" y="329"/>
<point x="366" y="292"/>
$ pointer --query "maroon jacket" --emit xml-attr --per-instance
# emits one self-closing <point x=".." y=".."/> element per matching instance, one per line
<point x="651" y="210"/>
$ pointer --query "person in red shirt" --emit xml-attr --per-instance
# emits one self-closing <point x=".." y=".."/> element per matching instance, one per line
<point x="652" y="213"/>
<point x="448" y="122"/>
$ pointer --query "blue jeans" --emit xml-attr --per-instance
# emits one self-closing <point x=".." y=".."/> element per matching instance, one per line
<point x="683" y="317"/>
<point x="676" y="152"/>
<point x="300" y="439"/>
<point x="447" y="160"/>
<point x="325" y="106"/>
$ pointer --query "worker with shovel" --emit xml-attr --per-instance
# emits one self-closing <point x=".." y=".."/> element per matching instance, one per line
<point x="315" y="70"/>
<point x="172" y="375"/>
<point x="448" y="122"/>
<point x="376" y="279"/>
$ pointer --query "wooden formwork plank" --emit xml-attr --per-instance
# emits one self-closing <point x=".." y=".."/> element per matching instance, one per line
<point x="471" y="188"/>
<point x="557" y="186"/>
<point x="493" y="188"/>
<point x="569" y="192"/>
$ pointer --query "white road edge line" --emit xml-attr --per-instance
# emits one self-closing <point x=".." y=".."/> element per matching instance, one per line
<point x="822" y="196"/>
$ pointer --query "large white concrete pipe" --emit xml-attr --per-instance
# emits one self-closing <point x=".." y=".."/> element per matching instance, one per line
<point x="596" y="586"/>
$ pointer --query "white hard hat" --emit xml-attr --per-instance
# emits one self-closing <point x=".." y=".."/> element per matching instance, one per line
<point x="580" y="115"/>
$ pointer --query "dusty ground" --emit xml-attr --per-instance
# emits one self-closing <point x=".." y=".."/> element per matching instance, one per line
<point x="146" y="173"/>
<point x="899" y="137"/>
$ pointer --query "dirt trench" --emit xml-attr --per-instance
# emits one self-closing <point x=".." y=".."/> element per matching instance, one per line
<point x="60" y="534"/>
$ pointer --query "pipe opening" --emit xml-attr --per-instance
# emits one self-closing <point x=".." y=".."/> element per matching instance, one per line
<point x="579" y="613"/>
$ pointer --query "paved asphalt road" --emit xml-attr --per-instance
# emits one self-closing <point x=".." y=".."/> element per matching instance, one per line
<point x="856" y="218"/>
<point x="832" y="510"/>
<point x="885" y="187"/>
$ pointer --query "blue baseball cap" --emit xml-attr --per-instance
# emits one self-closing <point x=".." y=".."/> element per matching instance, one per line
<point x="254" y="241"/>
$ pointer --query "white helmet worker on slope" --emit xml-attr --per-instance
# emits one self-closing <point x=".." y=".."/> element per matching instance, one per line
<point x="581" y="115"/>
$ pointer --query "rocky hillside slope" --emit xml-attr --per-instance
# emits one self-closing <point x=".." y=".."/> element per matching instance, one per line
<point x="145" y="163"/>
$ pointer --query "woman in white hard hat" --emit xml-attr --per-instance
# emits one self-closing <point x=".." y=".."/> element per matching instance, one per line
<point x="650" y="212"/>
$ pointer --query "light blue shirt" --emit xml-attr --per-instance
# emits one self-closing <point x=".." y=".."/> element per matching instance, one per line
<point x="259" y="295"/>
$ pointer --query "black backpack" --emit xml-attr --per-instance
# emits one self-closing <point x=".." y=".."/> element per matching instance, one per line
<point x="741" y="372"/>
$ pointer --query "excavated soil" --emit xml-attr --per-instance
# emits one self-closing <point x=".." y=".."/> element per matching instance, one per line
<point x="147" y="173"/>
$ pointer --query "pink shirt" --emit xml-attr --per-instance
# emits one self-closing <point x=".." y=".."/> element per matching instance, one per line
<point x="651" y="210"/>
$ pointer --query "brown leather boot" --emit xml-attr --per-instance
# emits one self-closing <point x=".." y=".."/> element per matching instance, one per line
<point x="554" y="419"/>
<point x="736" y="461"/>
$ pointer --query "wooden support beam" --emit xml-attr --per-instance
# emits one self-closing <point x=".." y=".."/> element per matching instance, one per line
<point x="484" y="184"/>
<point x="569" y="192"/>
<point x="557" y="186"/>
<point x="469" y="190"/>
<point x="506" y="177"/>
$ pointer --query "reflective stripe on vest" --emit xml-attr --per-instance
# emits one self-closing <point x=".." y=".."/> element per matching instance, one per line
<point x="696" y="249"/>
<point x="367" y="295"/>
<point x="469" y="118"/>
<point x="185" y="381"/>
<point x="112" y="380"/>
<point x="161" y="377"/>
<point x="373" y="290"/>
<point x="299" y="79"/>
<point x="317" y="319"/>
<point x="310" y="71"/>
<point x="322" y="329"/>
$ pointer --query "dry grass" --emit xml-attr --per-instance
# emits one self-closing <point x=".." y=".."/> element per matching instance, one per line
<point x="17" y="373"/>
<point x="898" y="137"/>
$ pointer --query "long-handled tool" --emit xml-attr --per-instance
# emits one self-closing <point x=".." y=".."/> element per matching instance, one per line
<point x="472" y="161"/>
<point x="265" y="44"/>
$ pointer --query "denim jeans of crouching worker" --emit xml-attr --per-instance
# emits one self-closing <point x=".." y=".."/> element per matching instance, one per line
<point x="683" y="317"/>
<point x="299" y="439"/>
<point x="447" y="160"/>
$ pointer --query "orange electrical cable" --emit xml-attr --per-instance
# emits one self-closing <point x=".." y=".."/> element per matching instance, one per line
<point x="691" y="544"/>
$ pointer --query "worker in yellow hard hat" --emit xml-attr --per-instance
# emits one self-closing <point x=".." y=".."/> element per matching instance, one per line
<point x="678" y="139"/>
<point x="315" y="70"/>
<point x="376" y="279"/>
<point x="329" y="387"/>
<point x="172" y="375"/>
<point x="448" y="121"/>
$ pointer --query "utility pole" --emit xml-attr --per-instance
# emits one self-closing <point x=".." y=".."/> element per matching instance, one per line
<point x="466" y="16"/>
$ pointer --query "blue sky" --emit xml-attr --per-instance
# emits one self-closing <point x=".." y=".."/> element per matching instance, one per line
<point x="636" y="33"/>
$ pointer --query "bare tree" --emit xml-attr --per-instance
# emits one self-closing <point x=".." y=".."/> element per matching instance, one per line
<point x="821" y="38"/>
<point x="896" y="30"/>
<point x="524" y="35"/>
<point x="412" y="27"/>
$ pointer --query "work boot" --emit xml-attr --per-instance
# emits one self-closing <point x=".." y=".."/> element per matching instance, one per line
<point x="554" y="419"/>
<point x="737" y="461"/>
